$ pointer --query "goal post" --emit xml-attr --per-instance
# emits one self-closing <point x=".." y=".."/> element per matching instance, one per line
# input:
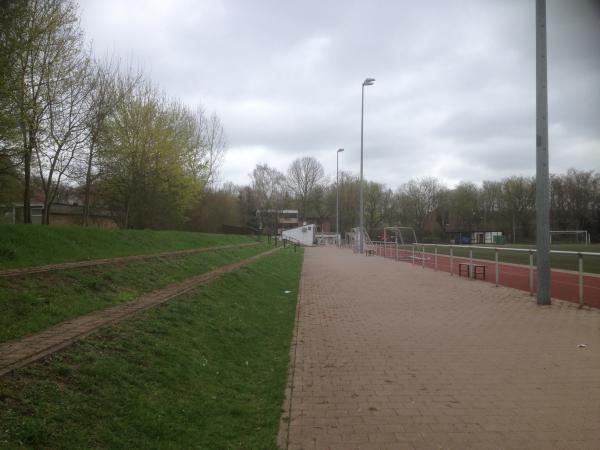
<point x="569" y="237"/>
<point x="403" y="235"/>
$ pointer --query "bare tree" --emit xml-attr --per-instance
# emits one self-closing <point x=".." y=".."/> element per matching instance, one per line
<point x="66" y="94"/>
<point x="268" y="185"/>
<point x="418" y="199"/>
<point x="519" y="197"/>
<point x="206" y="145"/>
<point x="216" y="144"/>
<point x="109" y="86"/>
<point x="304" y="175"/>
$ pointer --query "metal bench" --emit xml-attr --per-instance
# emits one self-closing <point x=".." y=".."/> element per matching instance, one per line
<point x="472" y="269"/>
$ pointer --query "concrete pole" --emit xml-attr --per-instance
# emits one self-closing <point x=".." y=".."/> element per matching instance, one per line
<point x="542" y="200"/>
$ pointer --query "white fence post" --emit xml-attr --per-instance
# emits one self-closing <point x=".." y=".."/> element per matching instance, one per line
<point x="580" y="256"/>
<point x="435" y="263"/>
<point x="497" y="271"/>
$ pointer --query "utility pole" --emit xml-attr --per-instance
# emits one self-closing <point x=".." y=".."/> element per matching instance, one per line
<point x="542" y="173"/>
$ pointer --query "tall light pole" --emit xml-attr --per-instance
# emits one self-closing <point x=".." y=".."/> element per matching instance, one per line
<point x="542" y="173"/>
<point x="367" y="82"/>
<point x="337" y="196"/>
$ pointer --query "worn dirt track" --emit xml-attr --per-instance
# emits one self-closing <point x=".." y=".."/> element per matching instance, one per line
<point x="22" y="351"/>
<point x="117" y="260"/>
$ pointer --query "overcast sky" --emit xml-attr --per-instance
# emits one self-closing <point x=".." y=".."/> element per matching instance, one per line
<point x="454" y="96"/>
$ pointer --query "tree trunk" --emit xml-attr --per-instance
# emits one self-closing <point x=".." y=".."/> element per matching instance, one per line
<point x="88" y="183"/>
<point x="46" y="212"/>
<point x="27" y="187"/>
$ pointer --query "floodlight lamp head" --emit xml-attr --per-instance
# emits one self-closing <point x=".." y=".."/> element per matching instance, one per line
<point x="369" y="82"/>
<point x="340" y="150"/>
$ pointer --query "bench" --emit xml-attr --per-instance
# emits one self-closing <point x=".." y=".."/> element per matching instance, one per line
<point x="475" y="269"/>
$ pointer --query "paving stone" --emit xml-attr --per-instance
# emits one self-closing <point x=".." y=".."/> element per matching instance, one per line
<point x="388" y="355"/>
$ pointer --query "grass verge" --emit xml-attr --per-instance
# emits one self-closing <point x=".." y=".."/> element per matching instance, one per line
<point x="32" y="303"/>
<point x="207" y="371"/>
<point x="27" y="245"/>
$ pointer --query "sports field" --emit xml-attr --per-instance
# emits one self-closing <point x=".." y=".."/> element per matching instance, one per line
<point x="513" y="267"/>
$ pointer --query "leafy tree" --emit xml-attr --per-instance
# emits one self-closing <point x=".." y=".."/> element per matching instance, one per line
<point x="147" y="140"/>
<point x="36" y="44"/>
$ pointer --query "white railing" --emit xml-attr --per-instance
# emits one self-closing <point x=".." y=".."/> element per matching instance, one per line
<point x="417" y="254"/>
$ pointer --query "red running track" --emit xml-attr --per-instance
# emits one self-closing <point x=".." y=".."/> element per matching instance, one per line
<point x="565" y="285"/>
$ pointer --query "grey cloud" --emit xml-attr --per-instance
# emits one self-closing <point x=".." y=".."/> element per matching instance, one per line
<point x="455" y="89"/>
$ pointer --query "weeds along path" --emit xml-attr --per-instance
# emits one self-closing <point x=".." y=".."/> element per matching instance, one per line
<point x="117" y="260"/>
<point x="20" y="352"/>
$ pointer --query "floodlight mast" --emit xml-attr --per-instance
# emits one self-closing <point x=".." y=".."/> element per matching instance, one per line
<point x="367" y="82"/>
<point x="337" y="196"/>
<point x="542" y="173"/>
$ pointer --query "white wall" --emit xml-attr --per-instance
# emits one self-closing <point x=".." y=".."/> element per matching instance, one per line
<point x="304" y="235"/>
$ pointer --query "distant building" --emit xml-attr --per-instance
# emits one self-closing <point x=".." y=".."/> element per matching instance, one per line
<point x="275" y="221"/>
<point x="12" y="213"/>
<point x="60" y="214"/>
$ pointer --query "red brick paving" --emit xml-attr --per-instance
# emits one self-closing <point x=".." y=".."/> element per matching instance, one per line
<point x="390" y="356"/>
<point x="20" y="352"/>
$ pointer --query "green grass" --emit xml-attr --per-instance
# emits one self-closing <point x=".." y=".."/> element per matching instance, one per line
<point x="557" y="261"/>
<point x="26" y="245"/>
<point x="34" y="302"/>
<point x="204" y="371"/>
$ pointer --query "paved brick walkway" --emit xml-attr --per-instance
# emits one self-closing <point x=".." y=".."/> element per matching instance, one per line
<point x="392" y="356"/>
<point x="20" y="352"/>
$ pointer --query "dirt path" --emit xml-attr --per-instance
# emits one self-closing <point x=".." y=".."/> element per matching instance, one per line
<point x="117" y="260"/>
<point x="20" y="352"/>
<point x="390" y="356"/>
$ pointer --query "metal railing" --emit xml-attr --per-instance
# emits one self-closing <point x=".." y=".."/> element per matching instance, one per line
<point x="416" y="253"/>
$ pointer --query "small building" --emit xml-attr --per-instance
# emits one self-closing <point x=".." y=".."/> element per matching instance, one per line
<point x="304" y="235"/>
<point x="12" y="213"/>
<point x="275" y="221"/>
<point x="477" y="237"/>
<point x="60" y="214"/>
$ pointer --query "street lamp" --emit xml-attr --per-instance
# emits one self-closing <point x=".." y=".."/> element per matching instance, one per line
<point x="337" y="199"/>
<point x="367" y="82"/>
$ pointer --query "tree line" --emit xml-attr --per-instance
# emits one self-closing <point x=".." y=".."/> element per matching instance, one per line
<point x="69" y="120"/>
<point x="432" y="208"/>
<point x="72" y="122"/>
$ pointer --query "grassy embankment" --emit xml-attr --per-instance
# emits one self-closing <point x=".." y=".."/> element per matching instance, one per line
<point x="206" y="370"/>
<point x="564" y="262"/>
<point x="26" y="245"/>
<point x="30" y="303"/>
